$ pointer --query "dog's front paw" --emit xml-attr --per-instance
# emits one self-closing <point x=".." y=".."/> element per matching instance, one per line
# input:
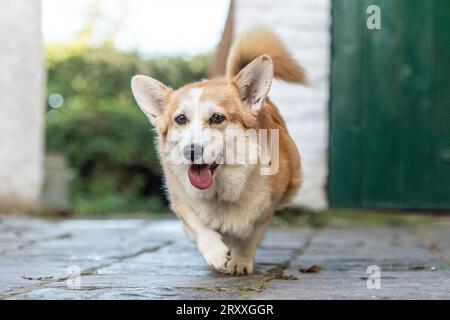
<point x="218" y="258"/>
<point x="240" y="265"/>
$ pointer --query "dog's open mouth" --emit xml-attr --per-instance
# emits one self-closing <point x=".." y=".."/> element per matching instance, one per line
<point x="201" y="175"/>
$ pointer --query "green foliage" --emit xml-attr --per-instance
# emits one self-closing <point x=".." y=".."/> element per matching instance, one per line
<point x="100" y="129"/>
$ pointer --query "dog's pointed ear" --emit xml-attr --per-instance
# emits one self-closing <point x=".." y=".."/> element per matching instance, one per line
<point x="254" y="82"/>
<point x="150" y="95"/>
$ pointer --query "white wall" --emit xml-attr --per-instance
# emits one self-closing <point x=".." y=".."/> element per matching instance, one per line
<point x="304" y="25"/>
<point x="21" y="104"/>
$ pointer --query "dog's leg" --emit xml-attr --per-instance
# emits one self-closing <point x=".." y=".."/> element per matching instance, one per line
<point x="209" y="242"/>
<point x="243" y="251"/>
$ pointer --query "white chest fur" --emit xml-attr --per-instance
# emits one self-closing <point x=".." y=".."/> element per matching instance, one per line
<point x="238" y="196"/>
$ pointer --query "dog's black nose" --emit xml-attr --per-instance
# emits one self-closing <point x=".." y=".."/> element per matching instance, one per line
<point x="193" y="152"/>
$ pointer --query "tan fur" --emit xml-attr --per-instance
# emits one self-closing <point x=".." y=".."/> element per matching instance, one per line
<point x="228" y="220"/>
<point x="257" y="42"/>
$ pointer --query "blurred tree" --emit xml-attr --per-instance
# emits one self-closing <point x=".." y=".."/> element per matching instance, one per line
<point x="106" y="138"/>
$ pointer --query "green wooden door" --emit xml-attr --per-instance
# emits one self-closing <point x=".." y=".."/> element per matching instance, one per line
<point x="390" y="105"/>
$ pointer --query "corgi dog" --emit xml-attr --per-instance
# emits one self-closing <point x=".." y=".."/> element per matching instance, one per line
<point x="225" y="206"/>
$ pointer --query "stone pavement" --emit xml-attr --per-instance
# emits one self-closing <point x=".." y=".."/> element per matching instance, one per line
<point x="151" y="259"/>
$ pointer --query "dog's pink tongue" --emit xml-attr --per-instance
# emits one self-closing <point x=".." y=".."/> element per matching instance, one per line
<point x="200" y="176"/>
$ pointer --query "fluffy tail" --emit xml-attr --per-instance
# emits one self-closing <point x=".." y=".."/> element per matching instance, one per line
<point x="257" y="42"/>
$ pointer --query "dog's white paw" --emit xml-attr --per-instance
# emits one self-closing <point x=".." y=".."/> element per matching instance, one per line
<point x="239" y="265"/>
<point x="217" y="257"/>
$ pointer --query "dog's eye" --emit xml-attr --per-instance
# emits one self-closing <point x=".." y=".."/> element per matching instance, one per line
<point x="181" y="119"/>
<point x="216" y="118"/>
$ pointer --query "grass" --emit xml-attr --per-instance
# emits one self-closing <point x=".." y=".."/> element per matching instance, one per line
<point x="114" y="203"/>
<point x="299" y="216"/>
<point x="113" y="206"/>
<point x="110" y="204"/>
